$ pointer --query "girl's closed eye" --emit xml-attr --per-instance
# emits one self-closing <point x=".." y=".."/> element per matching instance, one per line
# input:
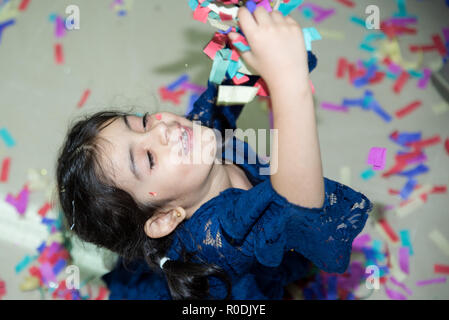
<point x="149" y="154"/>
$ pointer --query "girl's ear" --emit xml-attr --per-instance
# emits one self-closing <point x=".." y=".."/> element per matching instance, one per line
<point x="163" y="223"/>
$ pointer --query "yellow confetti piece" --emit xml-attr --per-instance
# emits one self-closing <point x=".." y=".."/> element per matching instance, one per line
<point x="440" y="108"/>
<point x="345" y="175"/>
<point x="9" y="11"/>
<point x="409" y="207"/>
<point x="440" y="241"/>
<point x="395" y="270"/>
<point x="30" y="283"/>
<point x="331" y="34"/>
<point x="235" y="94"/>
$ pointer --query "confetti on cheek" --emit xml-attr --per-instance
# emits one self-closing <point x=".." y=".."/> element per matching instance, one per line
<point x="158" y="116"/>
<point x="152" y="193"/>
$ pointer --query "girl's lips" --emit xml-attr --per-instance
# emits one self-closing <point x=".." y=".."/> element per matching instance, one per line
<point x="189" y="138"/>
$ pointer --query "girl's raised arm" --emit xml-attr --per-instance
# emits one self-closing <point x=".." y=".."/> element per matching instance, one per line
<point x="278" y="53"/>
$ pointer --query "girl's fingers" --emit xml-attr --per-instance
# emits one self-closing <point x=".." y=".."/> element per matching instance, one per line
<point x="246" y="21"/>
<point x="262" y="16"/>
<point x="278" y="18"/>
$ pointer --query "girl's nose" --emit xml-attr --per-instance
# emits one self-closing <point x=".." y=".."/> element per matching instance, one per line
<point x="167" y="134"/>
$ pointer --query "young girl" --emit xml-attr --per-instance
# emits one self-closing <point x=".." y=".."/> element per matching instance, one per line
<point x="215" y="229"/>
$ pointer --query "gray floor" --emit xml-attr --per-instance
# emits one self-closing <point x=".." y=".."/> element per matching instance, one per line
<point x="124" y="60"/>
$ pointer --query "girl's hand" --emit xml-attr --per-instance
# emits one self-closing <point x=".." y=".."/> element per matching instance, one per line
<point x="277" y="45"/>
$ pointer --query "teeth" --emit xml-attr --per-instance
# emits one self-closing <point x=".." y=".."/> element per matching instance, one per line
<point x="184" y="140"/>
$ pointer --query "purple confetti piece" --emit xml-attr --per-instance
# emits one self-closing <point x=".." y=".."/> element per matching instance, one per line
<point x="330" y="106"/>
<point x="404" y="259"/>
<point x="59" y="27"/>
<point x="401" y="285"/>
<point x="431" y="281"/>
<point x="446" y="34"/>
<point x="21" y="202"/>
<point x="323" y="15"/>
<point x="394" y="294"/>
<point x="361" y="241"/>
<point x="266" y="5"/>
<point x="422" y="82"/>
<point x="420" y="158"/>
<point x="47" y="273"/>
<point x="194" y="87"/>
<point x="376" y="157"/>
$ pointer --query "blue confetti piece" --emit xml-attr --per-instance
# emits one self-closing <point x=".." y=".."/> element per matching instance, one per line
<point x="421" y="168"/>
<point x="48" y="221"/>
<point x="251" y="6"/>
<point x="366" y="47"/>
<point x="52" y="17"/>
<point x="358" y="21"/>
<point x="177" y="82"/>
<point x="24" y="263"/>
<point x="352" y="102"/>
<point x="405" y="137"/>
<point x="41" y="247"/>
<point x="193" y="4"/>
<point x="59" y="265"/>
<point x="380" y="112"/>
<point x="241" y="46"/>
<point x="310" y="34"/>
<point x="7" y="138"/>
<point x="367" y="174"/>
<point x="408" y="188"/>
<point x="192" y="100"/>
<point x="122" y="13"/>
<point x="405" y="240"/>
<point x="308" y="13"/>
<point x="286" y="8"/>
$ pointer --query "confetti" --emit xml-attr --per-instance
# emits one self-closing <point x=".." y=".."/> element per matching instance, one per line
<point x="59" y="56"/>
<point x="83" y="98"/>
<point x="408" y="109"/>
<point x="431" y="281"/>
<point x="5" y="169"/>
<point x="440" y="241"/>
<point x="24" y="5"/>
<point x="7" y="138"/>
<point x="376" y="157"/>
<point x="20" y="202"/>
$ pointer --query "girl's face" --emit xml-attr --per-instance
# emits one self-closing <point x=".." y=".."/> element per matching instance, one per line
<point x="157" y="157"/>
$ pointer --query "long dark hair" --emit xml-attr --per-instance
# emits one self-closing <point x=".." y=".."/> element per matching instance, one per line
<point x="107" y="216"/>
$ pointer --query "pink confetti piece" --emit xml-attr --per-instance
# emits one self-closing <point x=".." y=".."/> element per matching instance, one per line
<point x="47" y="272"/>
<point x="376" y="157"/>
<point x="404" y="259"/>
<point x="158" y="116"/>
<point x="431" y="281"/>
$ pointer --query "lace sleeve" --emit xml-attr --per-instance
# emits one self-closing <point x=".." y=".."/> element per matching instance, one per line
<point x="266" y="225"/>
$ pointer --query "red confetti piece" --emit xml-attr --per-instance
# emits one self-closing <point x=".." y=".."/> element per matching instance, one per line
<point x="225" y="17"/>
<point x="400" y="82"/>
<point x="83" y="98"/>
<point x="437" y="45"/>
<point x="417" y="145"/>
<point x="201" y="14"/>
<point x="158" y="116"/>
<point x="408" y="109"/>
<point x="263" y="88"/>
<point x="389" y="230"/>
<point x="440" y="268"/>
<point x="5" y="169"/>
<point x="439" y="189"/>
<point x="44" y="209"/>
<point x="171" y="95"/>
<point x="23" y="5"/>
<point x="102" y="293"/>
<point x="152" y="193"/>
<point x="378" y="77"/>
<point x="238" y="81"/>
<point x="446" y="145"/>
<point x="59" y="56"/>
<point x="347" y="3"/>
<point x="341" y="67"/>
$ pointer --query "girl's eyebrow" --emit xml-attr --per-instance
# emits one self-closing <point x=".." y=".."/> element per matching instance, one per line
<point x="132" y="164"/>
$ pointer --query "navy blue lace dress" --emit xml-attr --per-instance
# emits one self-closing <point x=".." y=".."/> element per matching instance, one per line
<point x="260" y="239"/>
